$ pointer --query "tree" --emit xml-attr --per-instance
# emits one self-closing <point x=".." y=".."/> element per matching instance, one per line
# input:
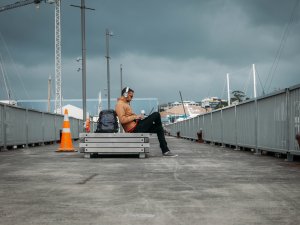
<point x="238" y="96"/>
<point x="221" y="104"/>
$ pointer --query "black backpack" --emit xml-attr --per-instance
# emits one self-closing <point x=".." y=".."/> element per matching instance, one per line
<point x="107" y="122"/>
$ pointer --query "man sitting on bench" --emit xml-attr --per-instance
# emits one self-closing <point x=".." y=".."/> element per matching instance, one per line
<point x="133" y="123"/>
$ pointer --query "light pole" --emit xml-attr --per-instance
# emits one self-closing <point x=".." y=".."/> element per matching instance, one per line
<point x="108" y="34"/>
<point x="83" y="68"/>
<point x="121" y="70"/>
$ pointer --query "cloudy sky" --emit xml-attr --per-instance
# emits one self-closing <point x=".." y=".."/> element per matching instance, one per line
<point x="165" y="46"/>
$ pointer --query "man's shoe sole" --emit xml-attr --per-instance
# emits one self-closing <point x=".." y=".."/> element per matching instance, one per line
<point x="170" y="156"/>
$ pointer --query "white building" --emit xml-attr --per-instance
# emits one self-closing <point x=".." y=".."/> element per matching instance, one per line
<point x="210" y="102"/>
<point x="73" y="111"/>
<point x="186" y="103"/>
<point x="10" y="102"/>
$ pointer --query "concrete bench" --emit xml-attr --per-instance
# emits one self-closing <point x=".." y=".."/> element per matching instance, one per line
<point x="114" y="144"/>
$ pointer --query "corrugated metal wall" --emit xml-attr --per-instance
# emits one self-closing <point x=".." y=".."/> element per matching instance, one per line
<point x="1" y="125"/>
<point x="266" y="123"/>
<point x="272" y="122"/>
<point x="294" y="122"/>
<point x="246" y="116"/>
<point x="207" y="129"/>
<point x="50" y="127"/>
<point x="15" y="126"/>
<point x="229" y="126"/>
<point x="20" y="126"/>
<point x="216" y="125"/>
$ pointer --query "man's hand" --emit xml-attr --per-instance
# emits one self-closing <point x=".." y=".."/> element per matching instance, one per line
<point x="139" y="117"/>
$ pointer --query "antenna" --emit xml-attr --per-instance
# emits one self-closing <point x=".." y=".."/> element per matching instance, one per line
<point x="182" y="104"/>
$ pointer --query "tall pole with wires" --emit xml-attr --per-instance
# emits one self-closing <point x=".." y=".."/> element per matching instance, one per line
<point x="254" y="80"/>
<point x="121" y="77"/>
<point x="108" y="34"/>
<point x="83" y="61"/>
<point x="4" y="79"/>
<point x="182" y="105"/>
<point x="49" y="94"/>
<point x="228" y="89"/>
<point x="284" y="37"/>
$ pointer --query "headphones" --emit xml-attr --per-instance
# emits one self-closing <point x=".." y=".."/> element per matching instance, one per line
<point x="126" y="92"/>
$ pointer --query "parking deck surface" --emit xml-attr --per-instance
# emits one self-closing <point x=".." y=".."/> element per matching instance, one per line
<point x="204" y="185"/>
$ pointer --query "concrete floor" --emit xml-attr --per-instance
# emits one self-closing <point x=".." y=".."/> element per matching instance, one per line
<point x="204" y="185"/>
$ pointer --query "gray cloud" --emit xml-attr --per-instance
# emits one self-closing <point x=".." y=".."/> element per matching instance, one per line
<point x="164" y="46"/>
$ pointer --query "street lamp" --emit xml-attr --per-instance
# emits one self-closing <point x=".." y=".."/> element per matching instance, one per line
<point x="78" y="59"/>
<point x="83" y="59"/>
<point x="108" y="34"/>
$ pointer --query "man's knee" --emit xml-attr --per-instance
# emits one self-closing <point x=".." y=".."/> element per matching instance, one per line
<point x="156" y="118"/>
<point x="156" y="114"/>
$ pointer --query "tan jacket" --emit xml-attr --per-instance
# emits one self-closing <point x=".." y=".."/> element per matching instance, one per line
<point x="125" y="114"/>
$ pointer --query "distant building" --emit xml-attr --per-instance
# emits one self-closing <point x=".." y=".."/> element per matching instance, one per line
<point x="9" y="102"/>
<point x="185" y="103"/>
<point x="164" y="107"/>
<point x="177" y="113"/>
<point x="212" y="102"/>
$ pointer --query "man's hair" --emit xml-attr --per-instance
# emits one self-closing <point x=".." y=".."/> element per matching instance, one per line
<point x="124" y="90"/>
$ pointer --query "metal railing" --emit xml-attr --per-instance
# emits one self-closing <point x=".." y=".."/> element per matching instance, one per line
<point x="267" y="123"/>
<point x="24" y="127"/>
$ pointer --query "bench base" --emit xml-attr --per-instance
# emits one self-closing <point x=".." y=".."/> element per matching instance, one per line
<point x="141" y="155"/>
<point x="114" y="144"/>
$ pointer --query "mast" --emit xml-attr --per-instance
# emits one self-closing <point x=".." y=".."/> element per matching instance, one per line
<point x="4" y="79"/>
<point x="49" y="93"/>
<point x="121" y="77"/>
<point x="99" y="103"/>
<point x="108" y="34"/>
<point x="254" y="80"/>
<point x="228" y="90"/>
<point x="182" y="104"/>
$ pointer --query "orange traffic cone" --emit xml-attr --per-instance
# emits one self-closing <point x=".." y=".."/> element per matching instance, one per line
<point x="66" y="139"/>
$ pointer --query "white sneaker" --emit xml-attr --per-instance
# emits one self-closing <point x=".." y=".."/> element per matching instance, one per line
<point x="169" y="154"/>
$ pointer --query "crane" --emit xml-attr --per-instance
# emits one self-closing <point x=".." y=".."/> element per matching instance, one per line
<point x="19" y="4"/>
<point x="58" y="96"/>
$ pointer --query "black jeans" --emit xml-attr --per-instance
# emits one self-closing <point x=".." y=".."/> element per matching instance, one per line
<point x="152" y="124"/>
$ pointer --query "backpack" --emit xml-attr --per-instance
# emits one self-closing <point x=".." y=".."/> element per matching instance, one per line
<point x="107" y="122"/>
